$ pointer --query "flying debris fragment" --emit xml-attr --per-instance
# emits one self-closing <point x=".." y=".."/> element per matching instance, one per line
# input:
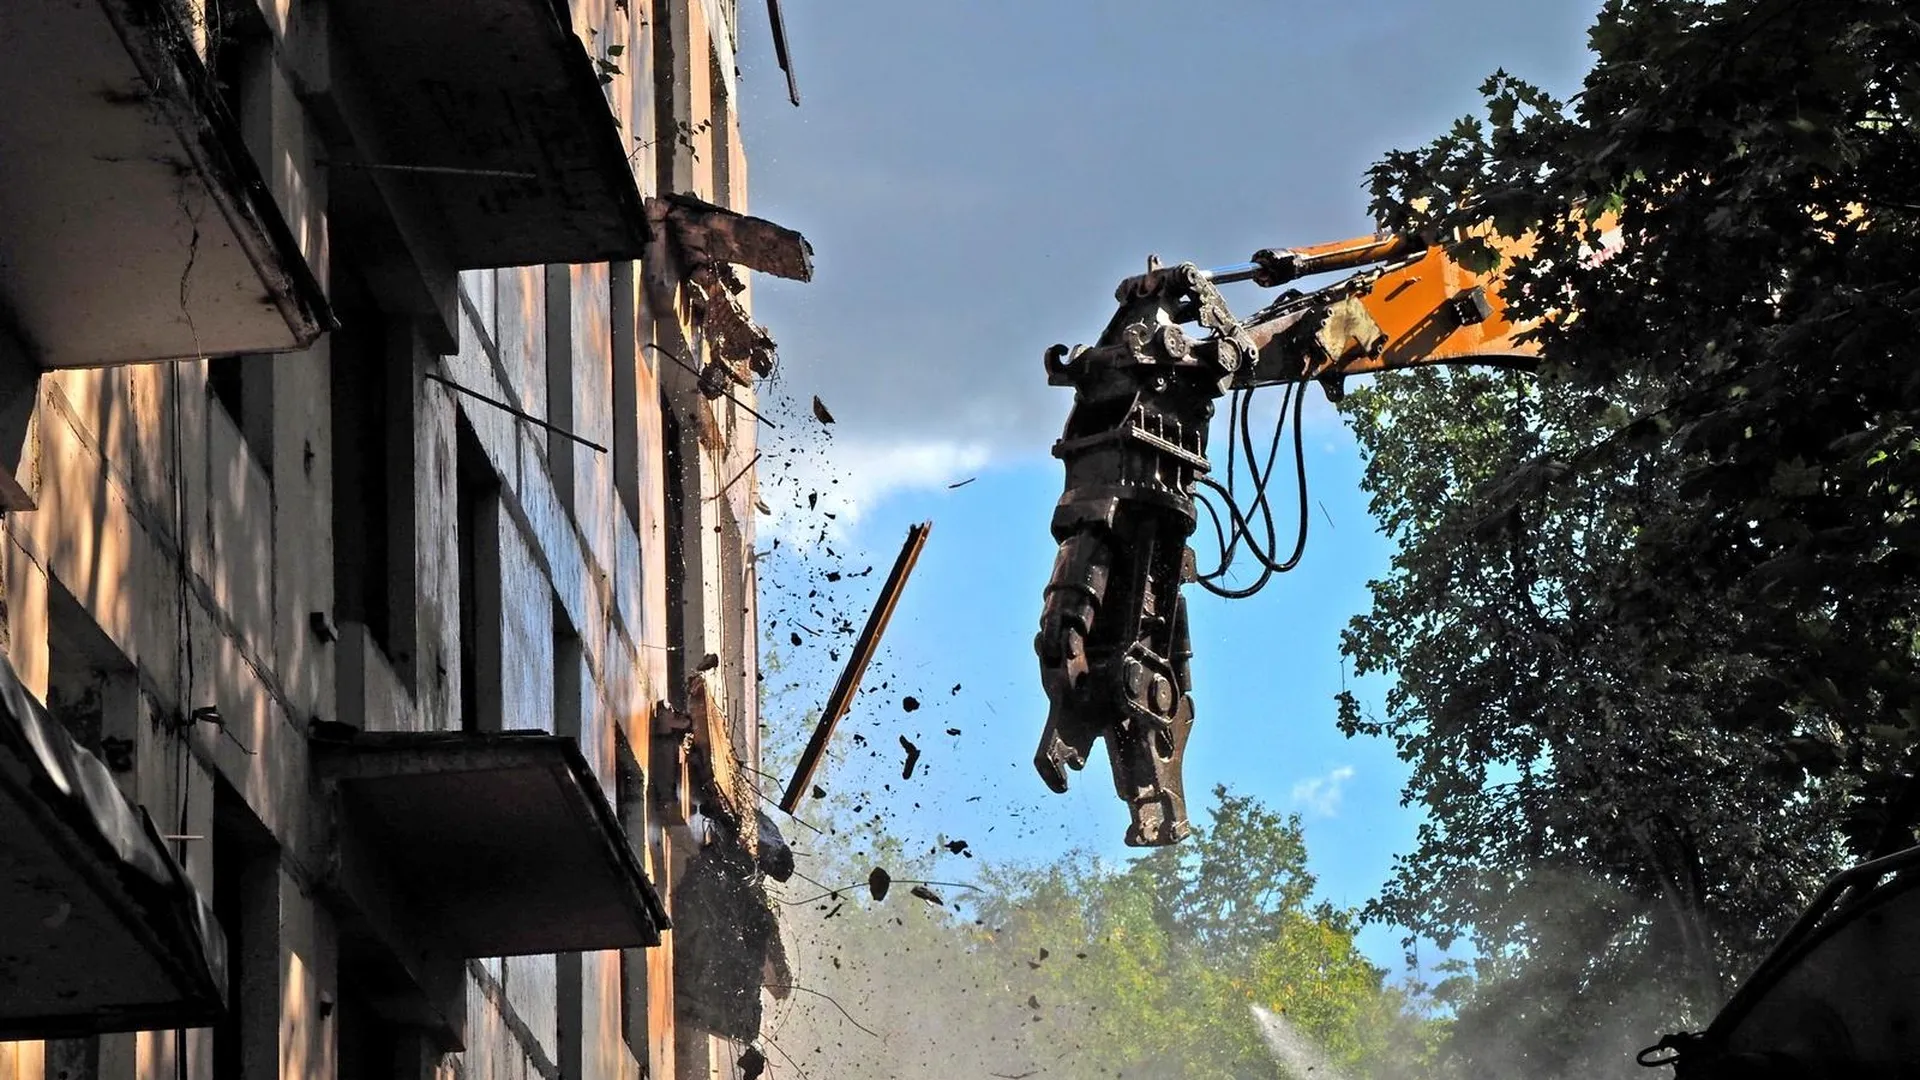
<point x="913" y="756"/>
<point x="928" y="895"/>
<point x="878" y="882"/>
<point x="820" y="412"/>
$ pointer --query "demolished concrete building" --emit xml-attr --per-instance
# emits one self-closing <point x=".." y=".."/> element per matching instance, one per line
<point x="377" y="452"/>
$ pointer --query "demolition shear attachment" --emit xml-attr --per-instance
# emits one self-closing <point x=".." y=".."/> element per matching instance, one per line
<point x="1113" y="642"/>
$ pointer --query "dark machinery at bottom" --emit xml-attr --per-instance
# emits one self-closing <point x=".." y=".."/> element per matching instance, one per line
<point x="1839" y="996"/>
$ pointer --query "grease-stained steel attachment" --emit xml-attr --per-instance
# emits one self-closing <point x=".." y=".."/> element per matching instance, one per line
<point x="1113" y="643"/>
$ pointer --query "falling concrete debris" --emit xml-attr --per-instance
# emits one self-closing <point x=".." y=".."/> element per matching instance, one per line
<point x="863" y="649"/>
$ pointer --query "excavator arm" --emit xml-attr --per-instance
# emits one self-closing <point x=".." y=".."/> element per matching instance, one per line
<point x="1835" y="996"/>
<point x="1113" y="643"/>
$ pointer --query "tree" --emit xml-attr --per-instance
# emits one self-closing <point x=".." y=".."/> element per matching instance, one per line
<point x="1651" y="613"/>
<point x="1152" y="969"/>
<point x="1082" y="970"/>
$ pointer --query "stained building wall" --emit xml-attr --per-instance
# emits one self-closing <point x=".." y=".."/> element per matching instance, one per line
<point x="335" y="535"/>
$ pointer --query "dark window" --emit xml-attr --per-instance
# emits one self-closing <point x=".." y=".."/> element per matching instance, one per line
<point x="570" y="1015"/>
<point x="630" y="804"/>
<point x="243" y="388"/>
<point x="92" y="688"/>
<point x="674" y="520"/>
<point x="478" y="520"/>
<point x="223" y="382"/>
<point x="242" y="54"/>
<point x="560" y="412"/>
<point x="567" y="675"/>
<point x="625" y="390"/>
<point x="246" y="901"/>
<point x="373" y="485"/>
<point x="370" y="1044"/>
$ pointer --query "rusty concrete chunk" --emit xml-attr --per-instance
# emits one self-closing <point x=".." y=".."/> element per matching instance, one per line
<point x="729" y="792"/>
<point x="705" y="232"/>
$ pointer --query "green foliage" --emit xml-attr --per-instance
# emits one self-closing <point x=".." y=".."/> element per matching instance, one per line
<point x="1090" y="970"/>
<point x="1156" y="965"/>
<point x="1651" y="613"/>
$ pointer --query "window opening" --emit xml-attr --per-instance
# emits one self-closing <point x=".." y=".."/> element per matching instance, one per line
<point x="246" y="901"/>
<point x="93" y="690"/>
<point x="560" y="411"/>
<point x="568" y="659"/>
<point x="625" y="389"/>
<point x="673" y="517"/>
<point x="243" y="387"/>
<point x="373" y="483"/>
<point x="630" y="805"/>
<point x="478" y="523"/>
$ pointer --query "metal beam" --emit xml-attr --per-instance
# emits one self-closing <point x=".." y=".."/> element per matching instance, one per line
<point x="849" y="683"/>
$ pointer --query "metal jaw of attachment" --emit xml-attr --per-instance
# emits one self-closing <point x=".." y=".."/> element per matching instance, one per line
<point x="1140" y="703"/>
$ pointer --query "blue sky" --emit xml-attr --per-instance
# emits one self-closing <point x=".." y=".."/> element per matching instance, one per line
<point x="975" y="177"/>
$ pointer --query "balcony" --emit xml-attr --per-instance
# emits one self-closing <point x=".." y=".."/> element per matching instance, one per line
<point x="134" y="225"/>
<point x="491" y="114"/>
<point x="103" y="932"/>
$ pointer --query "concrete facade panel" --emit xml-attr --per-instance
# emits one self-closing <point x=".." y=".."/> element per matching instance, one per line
<point x="436" y="558"/>
<point x="478" y="286"/>
<point x="605" y="1055"/>
<point x="595" y="503"/>
<point x="526" y="635"/>
<point x="239" y="533"/>
<point x="531" y="989"/>
<point x="302" y="529"/>
<point x="551" y="529"/>
<point x="521" y="321"/>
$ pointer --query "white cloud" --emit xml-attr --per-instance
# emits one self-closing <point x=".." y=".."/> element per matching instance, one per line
<point x="1320" y="795"/>
<point x="849" y="476"/>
